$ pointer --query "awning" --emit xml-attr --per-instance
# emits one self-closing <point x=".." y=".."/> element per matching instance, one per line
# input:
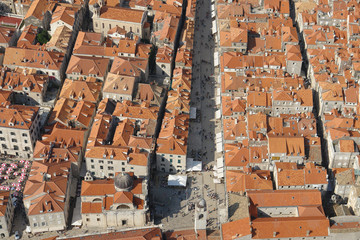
<point x="218" y="114"/>
<point x="219" y="147"/>
<point x="177" y="180"/>
<point x="220" y="167"/>
<point x="214" y="27"/>
<point x="219" y="137"/>
<point x="216" y="59"/>
<point x="218" y="100"/>
<point x="192" y="112"/>
<point x="193" y="166"/>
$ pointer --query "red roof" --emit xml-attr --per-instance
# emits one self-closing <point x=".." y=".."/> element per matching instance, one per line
<point x="10" y="20"/>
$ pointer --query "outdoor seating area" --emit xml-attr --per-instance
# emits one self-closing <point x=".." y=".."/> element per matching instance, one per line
<point x="13" y="175"/>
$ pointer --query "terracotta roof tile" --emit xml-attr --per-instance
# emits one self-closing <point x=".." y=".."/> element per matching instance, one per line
<point x="121" y="14"/>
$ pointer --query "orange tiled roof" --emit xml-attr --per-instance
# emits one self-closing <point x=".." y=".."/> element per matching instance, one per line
<point x="81" y="90"/>
<point x="129" y="66"/>
<point x="291" y="146"/>
<point x="88" y="66"/>
<point x="127" y="109"/>
<point x="18" y="116"/>
<point x="121" y="14"/>
<point x="59" y="39"/>
<point x="4" y="200"/>
<point x="173" y="134"/>
<point x="187" y="235"/>
<point x="67" y="112"/>
<point x="241" y="181"/>
<point x="289" y="174"/>
<point x="19" y="81"/>
<point x="178" y="100"/>
<point x="164" y="54"/>
<point x="64" y="14"/>
<point x="5" y="34"/>
<point x="119" y="84"/>
<point x="238" y="228"/>
<point x="38" y="8"/>
<point x="31" y="58"/>
<point x="62" y="134"/>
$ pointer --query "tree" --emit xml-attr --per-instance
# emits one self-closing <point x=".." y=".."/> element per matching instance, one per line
<point x="43" y="37"/>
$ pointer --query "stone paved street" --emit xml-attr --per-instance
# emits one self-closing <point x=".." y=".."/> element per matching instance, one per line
<point x="175" y="213"/>
<point x="172" y="204"/>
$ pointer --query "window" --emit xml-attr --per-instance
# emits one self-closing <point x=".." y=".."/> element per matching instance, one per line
<point x="24" y="134"/>
<point x="110" y="168"/>
<point x="43" y="224"/>
<point x="170" y="159"/>
<point x="101" y="167"/>
<point x="25" y="141"/>
<point x="88" y="219"/>
<point x="101" y="161"/>
<point x="111" y="175"/>
<point x="103" y="25"/>
<point x="98" y="219"/>
<point x="123" y="169"/>
<point x="35" y="224"/>
<point x="123" y="163"/>
<point x="124" y="222"/>
<point x="92" y="166"/>
<point x="13" y="140"/>
<point x="110" y="162"/>
<point x="92" y="160"/>
<point x="16" y="147"/>
<point x="12" y="133"/>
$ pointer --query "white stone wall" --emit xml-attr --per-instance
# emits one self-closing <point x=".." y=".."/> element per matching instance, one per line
<point x="47" y="222"/>
<point x="19" y="142"/>
<point x="170" y="163"/>
<point x="102" y="168"/>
